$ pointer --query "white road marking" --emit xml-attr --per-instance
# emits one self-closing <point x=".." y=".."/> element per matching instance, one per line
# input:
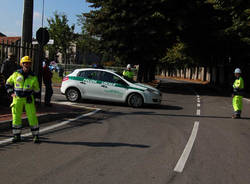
<point x="198" y="96"/>
<point x="198" y="112"/>
<point x="183" y="159"/>
<point x="74" y="105"/>
<point x="53" y="126"/>
<point x="198" y="100"/>
<point x="198" y="105"/>
<point x="248" y="100"/>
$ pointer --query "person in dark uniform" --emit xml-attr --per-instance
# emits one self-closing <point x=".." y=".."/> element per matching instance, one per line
<point x="47" y="80"/>
<point x="9" y="66"/>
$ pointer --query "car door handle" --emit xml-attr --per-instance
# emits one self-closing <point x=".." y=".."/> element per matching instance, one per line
<point x="82" y="82"/>
<point x="103" y="86"/>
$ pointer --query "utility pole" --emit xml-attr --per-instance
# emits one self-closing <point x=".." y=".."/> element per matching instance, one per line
<point x="27" y="21"/>
<point x="27" y="34"/>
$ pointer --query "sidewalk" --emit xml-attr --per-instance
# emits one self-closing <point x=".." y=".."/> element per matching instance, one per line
<point x="44" y="114"/>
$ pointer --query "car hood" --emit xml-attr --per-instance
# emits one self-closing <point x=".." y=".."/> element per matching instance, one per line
<point x="144" y="86"/>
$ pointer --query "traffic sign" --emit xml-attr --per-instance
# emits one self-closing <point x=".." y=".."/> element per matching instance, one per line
<point x="42" y="36"/>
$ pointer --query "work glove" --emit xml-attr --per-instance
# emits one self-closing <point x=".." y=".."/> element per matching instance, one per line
<point x="37" y="95"/>
<point x="29" y="99"/>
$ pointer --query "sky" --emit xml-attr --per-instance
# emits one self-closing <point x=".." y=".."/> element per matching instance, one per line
<point x="11" y="14"/>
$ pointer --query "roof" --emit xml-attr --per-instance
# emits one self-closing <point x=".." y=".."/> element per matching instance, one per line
<point x="9" y="39"/>
<point x="1" y="34"/>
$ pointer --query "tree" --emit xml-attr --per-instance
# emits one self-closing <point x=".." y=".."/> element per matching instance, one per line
<point x="237" y="31"/>
<point x="176" y="57"/>
<point x="87" y="43"/>
<point x="239" y="13"/>
<point x="61" y="33"/>
<point x="135" y="31"/>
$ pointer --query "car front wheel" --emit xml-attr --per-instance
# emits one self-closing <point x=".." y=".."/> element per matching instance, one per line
<point x="73" y="95"/>
<point x="135" y="100"/>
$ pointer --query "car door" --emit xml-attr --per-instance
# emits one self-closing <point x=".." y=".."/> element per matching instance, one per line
<point x="113" y="87"/>
<point x="90" y="84"/>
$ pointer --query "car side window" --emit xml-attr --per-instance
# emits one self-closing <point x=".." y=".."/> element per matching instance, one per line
<point x="109" y="77"/>
<point x="91" y="74"/>
<point x="122" y="82"/>
<point x="82" y="74"/>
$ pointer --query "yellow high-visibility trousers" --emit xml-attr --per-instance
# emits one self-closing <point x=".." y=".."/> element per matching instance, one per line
<point x="17" y="110"/>
<point x="237" y="103"/>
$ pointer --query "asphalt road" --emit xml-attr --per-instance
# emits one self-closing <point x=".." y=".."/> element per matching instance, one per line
<point x="189" y="139"/>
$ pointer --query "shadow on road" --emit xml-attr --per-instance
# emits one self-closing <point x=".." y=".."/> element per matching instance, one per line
<point x="107" y="115"/>
<point x="96" y="144"/>
<point x="146" y="106"/>
<point x="185" y="88"/>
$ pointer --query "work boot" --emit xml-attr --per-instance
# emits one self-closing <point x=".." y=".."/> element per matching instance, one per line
<point x="16" y="138"/>
<point x="236" y="116"/>
<point x="36" y="139"/>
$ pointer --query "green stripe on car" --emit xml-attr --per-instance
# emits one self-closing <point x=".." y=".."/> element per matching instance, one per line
<point x="102" y="82"/>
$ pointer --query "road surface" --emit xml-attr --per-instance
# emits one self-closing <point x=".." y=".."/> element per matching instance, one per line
<point x="189" y="139"/>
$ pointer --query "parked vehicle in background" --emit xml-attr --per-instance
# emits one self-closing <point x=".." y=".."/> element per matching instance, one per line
<point x="106" y="85"/>
<point x="54" y="66"/>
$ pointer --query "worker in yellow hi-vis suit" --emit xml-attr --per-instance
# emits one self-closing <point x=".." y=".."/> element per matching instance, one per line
<point x="21" y="85"/>
<point x="128" y="74"/>
<point x="238" y="88"/>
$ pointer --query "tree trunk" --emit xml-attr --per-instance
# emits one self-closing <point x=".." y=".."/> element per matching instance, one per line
<point x="152" y="72"/>
<point x="146" y="72"/>
<point x="140" y="73"/>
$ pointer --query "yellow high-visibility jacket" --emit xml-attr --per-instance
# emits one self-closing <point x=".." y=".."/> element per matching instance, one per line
<point x="22" y="86"/>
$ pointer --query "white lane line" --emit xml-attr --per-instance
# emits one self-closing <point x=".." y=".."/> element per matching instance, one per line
<point x="248" y="100"/>
<point x="53" y="126"/>
<point x="198" y="100"/>
<point x="198" y="113"/>
<point x="183" y="159"/>
<point x="198" y="96"/>
<point x="198" y="105"/>
<point x="74" y="105"/>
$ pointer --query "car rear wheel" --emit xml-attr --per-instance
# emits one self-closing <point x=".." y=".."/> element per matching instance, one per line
<point x="135" y="100"/>
<point x="73" y="95"/>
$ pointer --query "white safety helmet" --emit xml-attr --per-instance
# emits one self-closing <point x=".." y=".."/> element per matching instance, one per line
<point x="128" y="66"/>
<point x="237" y="70"/>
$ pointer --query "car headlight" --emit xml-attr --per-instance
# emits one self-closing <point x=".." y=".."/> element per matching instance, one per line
<point x="152" y="91"/>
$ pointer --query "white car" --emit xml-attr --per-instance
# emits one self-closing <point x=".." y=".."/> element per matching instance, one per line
<point x="106" y="85"/>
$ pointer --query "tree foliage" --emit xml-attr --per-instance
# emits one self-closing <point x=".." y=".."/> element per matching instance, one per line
<point x="61" y="33"/>
<point x="134" y="31"/>
<point x="178" y="32"/>
<point x="86" y="43"/>
<point x="176" y="56"/>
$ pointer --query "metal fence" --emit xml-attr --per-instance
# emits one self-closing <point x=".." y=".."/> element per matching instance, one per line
<point x="18" y="51"/>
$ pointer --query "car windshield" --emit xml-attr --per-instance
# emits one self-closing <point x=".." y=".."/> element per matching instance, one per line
<point x="128" y="79"/>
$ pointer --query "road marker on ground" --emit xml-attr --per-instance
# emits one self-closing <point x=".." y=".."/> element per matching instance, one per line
<point x="248" y="100"/>
<point x="183" y="159"/>
<point x="5" y="141"/>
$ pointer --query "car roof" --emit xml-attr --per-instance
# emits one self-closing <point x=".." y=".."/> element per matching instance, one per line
<point x="96" y="69"/>
<point x="76" y="71"/>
